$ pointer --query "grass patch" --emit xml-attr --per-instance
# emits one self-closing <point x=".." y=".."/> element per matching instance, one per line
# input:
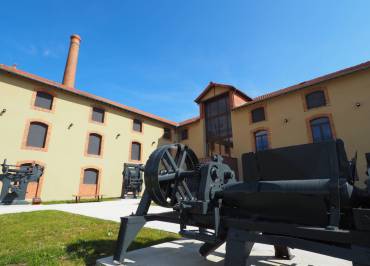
<point x="74" y="201"/>
<point x="60" y="238"/>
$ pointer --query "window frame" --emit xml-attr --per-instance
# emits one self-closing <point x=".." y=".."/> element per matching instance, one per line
<point x="27" y="127"/>
<point x="170" y="133"/>
<point x="263" y="107"/>
<point x="253" y="137"/>
<point x="43" y="90"/>
<point x="317" y="116"/>
<point x="92" y="114"/>
<point x="93" y="170"/>
<point x="313" y="90"/>
<point x="141" y="126"/>
<point x="83" y="186"/>
<point x="130" y="151"/>
<point x="88" y="141"/>
<point x="182" y="134"/>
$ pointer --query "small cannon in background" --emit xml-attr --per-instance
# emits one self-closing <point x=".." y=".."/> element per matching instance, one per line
<point x="15" y="180"/>
<point x="299" y="197"/>
<point x="132" y="179"/>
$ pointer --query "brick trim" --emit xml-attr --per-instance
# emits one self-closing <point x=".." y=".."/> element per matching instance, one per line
<point x="33" y="100"/>
<point x="41" y="180"/>
<point x="253" y="137"/>
<point x="87" y="144"/>
<point x="25" y="135"/>
<point x="130" y="150"/>
<point x="304" y="93"/>
<point x="313" y="117"/>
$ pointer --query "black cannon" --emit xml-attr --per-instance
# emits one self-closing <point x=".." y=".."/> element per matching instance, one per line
<point x="299" y="197"/>
<point x="15" y="180"/>
<point x="132" y="179"/>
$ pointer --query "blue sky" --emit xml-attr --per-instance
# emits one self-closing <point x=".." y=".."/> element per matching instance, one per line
<point x="158" y="55"/>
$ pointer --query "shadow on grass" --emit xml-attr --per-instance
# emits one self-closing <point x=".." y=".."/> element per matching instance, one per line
<point x="91" y="250"/>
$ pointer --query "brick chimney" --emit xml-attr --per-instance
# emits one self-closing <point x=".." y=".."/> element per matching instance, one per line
<point x="71" y="64"/>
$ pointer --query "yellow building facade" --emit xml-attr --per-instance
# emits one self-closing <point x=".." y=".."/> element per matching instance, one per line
<point x="89" y="138"/>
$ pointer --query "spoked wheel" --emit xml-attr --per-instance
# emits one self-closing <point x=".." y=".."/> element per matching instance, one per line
<point x="171" y="174"/>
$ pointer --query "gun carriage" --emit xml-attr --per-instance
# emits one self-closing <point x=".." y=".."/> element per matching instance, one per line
<point x="15" y="180"/>
<point x="132" y="179"/>
<point x="299" y="197"/>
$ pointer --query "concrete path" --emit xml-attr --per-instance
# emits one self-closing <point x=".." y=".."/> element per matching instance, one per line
<point x="185" y="252"/>
<point x="107" y="210"/>
<point x="182" y="252"/>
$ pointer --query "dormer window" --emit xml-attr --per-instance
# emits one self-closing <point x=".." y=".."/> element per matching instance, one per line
<point x="258" y="114"/>
<point x="315" y="99"/>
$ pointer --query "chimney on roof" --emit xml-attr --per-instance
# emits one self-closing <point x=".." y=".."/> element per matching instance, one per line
<point x="71" y="64"/>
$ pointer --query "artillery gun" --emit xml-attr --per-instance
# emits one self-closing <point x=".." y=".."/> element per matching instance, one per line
<point x="15" y="180"/>
<point x="132" y="179"/>
<point x="299" y="197"/>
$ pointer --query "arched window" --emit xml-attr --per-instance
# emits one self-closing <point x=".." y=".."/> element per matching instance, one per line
<point x="135" y="151"/>
<point x="37" y="135"/>
<point x="315" y="99"/>
<point x="261" y="140"/>
<point x="95" y="143"/>
<point x="320" y="129"/>
<point x="44" y="100"/>
<point x="91" y="176"/>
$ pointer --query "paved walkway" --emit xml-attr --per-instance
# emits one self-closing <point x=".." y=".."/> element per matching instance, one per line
<point x="107" y="210"/>
<point x="183" y="252"/>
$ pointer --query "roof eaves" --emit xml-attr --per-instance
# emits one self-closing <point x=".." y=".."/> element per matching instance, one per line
<point x="36" y="78"/>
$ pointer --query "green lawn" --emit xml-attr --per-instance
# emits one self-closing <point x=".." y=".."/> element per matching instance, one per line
<point x="60" y="238"/>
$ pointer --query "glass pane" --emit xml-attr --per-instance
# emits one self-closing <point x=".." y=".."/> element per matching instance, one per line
<point x="326" y="131"/>
<point x="137" y="125"/>
<point x="37" y="135"/>
<point x="90" y="176"/>
<point x="94" y="144"/>
<point x="98" y="115"/>
<point x="315" y="99"/>
<point x="261" y="141"/>
<point x="316" y="134"/>
<point x="135" y="151"/>
<point x="258" y="114"/>
<point x="44" y="100"/>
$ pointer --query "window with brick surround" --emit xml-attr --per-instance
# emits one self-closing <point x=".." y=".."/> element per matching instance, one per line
<point x="44" y="100"/>
<point x="167" y="133"/>
<point x="321" y="129"/>
<point x="258" y="114"/>
<point x="94" y="146"/>
<point x="261" y="140"/>
<point x="37" y="135"/>
<point x="184" y="134"/>
<point x="315" y="99"/>
<point x="135" y="151"/>
<point x="98" y="115"/>
<point x="137" y="125"/>
<point x="91" y="176"/>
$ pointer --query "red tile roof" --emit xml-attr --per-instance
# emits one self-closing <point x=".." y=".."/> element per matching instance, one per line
<point x="14" y="71"/>
<point x="189" y="121"/>
<point x="305" y="84"/>
<point x="212" y="85"/>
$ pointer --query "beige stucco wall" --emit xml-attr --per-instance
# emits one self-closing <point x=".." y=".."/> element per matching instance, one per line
<point x="66" y="150"/>
<point x="196" y="139"/>
<point x="350" y="123"/>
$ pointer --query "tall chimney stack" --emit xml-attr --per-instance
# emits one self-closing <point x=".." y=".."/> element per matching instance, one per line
<point x="71" y="64"/>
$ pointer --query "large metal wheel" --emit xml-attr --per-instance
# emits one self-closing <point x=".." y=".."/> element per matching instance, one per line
<point x="171" y="174"/>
